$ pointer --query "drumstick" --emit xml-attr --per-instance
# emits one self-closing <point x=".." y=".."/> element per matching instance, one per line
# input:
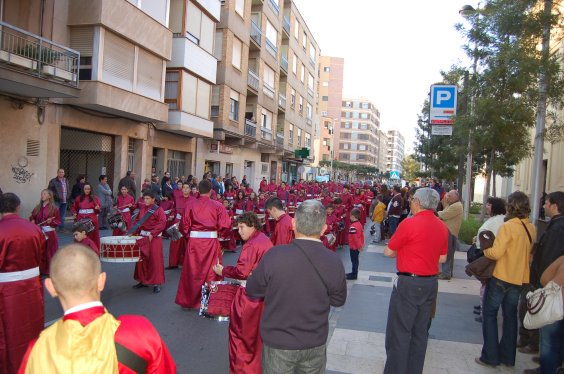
<point x="40" y="223"/>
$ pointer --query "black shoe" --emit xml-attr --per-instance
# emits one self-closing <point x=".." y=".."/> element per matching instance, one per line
<point x="532" y="371"/>
<point x="351" y="276"/>
<point x="139" y="285"/>
<point x="478" y="319"/>
<point x="156" y="289"/>
<point x="171" y="267"/>
<point x="477" y="312"/>
<point x="478" y="307"/>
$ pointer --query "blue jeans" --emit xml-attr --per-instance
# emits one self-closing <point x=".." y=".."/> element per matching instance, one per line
<point x="62" y="211"/>
<point x="552" y="347"/>
<point x="499" y="293"/>
<point x="393" y="221"/>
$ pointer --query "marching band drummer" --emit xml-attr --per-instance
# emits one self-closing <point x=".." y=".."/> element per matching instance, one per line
<point x="239" y="203"/>
<point x="46" y="215"/>
<point x="202" y="220"/>
<point x="229" y="193"/>
<point x="167" y="205"/>
<point x="332" y="223"/>
<point x="245" y="344"/>
<point x="88" y="206"/>
<point x="177" y="248"/>
<point x="151" y="221"/>
<point x="125" y="203"/>
<point x="228" y="239"/>
<point x="283" y="232"/>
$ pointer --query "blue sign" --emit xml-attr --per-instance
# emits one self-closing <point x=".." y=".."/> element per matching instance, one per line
<point x="394" y="174"/>
<point x="443" y="104"/>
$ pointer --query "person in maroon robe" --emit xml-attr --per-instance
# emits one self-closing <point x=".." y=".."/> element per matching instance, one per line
<point x="88" y="206"/>
<point x="239" y="203"/>
<point x="283" y="232"/>
<point x="125" y="203"/>
<point x="21" y="293"/>
<point x="251" y="205"/>
<point x="80" y="236"/>
<point x="332" y="223"/>
<point x="202" y="220"/>
<point x="77" y="280"/>
<point x="177" y="248"/>
<point x="245" y="344"/>
<point x="272" y="187"/>
<point x="46" y="215"/>
<point x="150" y="267"/>
<point x="169" y="209"/>
<point x="263" y="187"/>
<point x="227" y="237"/>
<point x="229" y="193"/>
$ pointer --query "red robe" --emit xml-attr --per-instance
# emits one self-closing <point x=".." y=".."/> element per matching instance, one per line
<point x="122" y="205"/>
<point x="239" y="206"/>
<point x="177" y="248"/>
<point x="263" y="186"/>
<point x="332" y="223"/>
<point x="150" y="269"/>
<point x="230" y="195"/>
<point x="202" y="214"/>
<point x="229" y="235"/>
<point x="52" y="242"/>
<point x="90" y="244"/>
<point x="283" y="233"/>
<point x="250" y="206"/>
<point x="135" y="333"/>
<point x="245" y="343"/>
<point x="87" y="204"/>
<point x="21" y="302"/>
<point x="272" y="187"/>
<point x="169" y="210"/>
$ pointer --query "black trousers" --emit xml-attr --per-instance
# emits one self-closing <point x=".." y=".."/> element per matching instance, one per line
<point x="354" y="260"/>
<point x="410" y="310"/>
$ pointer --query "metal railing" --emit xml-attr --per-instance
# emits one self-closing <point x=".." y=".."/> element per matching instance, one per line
<point x="256" y="33"/>
<point x="284" y="63"/>
<point x="250" y="128"/>
<point x="280" y="139"/>
<point x="38" y="56"/>
<point x="271" y="47"/>
<point x="275" y="6"/>
<point x="253" y="80"/>
<point x="281" y="100"/>
<point x="268" y="91"/>
<point x="286" y="24"/>
<point x="266" y="133"/>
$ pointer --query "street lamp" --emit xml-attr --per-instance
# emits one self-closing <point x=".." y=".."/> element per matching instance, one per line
<point x="468" y="11"/>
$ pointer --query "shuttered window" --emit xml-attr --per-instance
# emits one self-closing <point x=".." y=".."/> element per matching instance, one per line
<point x="118" y="61"/>
<point x="82" y="40"/>
<point x="149" y="75"/>
<point x="189" y="89"/>
<point x="203" y="99"/>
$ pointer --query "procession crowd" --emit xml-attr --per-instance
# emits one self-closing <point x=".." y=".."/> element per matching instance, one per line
<point x="289" y="235"/>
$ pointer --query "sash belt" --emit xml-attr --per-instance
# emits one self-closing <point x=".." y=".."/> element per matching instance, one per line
<point x="86" y="211"/>
<point x="203" y="234"/>
<point x="15" y="276"/>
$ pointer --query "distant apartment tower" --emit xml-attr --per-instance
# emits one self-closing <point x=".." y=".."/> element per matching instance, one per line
<point x="382" y="152"/>
<point x="358" y="139"/>
<point x="330" y="102"/>
<point x="396" y="144"/>
<point x="263" y="106"/>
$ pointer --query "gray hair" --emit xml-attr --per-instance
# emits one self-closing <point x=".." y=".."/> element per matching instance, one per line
<point x="428" y="198"/>
<point x="310" y="218"/>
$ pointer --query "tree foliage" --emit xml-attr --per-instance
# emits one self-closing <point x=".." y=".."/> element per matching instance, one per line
<point x="410" y="167"/>
<point x="351" y="170"/>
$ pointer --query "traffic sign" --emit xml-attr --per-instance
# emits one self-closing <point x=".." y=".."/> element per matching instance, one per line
<point x="443" y="104"/>
<point x="441" y="130"/>
<point x="394" y="174"/>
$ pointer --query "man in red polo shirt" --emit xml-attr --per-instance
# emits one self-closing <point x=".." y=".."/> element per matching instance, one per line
<point x="418" y="245"/>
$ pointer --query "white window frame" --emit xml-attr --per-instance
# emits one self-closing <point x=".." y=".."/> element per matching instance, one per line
<point x="240" y="7"/>
<point x="237" y="53"/>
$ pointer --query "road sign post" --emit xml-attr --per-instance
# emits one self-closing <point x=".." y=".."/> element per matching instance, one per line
<point x="444" y="100"/>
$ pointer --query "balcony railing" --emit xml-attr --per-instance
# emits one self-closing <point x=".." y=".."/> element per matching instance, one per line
<point x="308" y="121"/>
<point x="271" y="47"/>
<point x="312" y="62"/>
<point x="266" y="133"/>
<point x="38" y="56"/>
<point x="280" y="139"/>
<point x="284" y="63"/>
<point x="268" y="91"/>
<point x="286" y="24"/>
<point x="256" y="34"/>
<point x="310" y="92"/>
<point x="253" y="80"/>
<point x="275" y="6"/>
<point x="250" y="128"/>
<point x="282" y="101"/>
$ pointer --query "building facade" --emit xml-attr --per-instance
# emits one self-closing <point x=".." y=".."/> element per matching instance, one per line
<point x="395" y="151"/>
<point x="358" y="138"/>
<point x="382" y="152"/>
<point x="83" y="88"/>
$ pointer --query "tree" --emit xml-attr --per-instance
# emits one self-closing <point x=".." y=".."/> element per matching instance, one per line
<point x="410" y="167"/>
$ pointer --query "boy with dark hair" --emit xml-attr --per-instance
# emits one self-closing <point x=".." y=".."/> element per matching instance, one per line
<point x="356" y="242"/>
<point x="80" y="234"/>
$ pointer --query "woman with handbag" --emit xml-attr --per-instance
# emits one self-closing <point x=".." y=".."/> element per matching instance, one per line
<point x="511" y="250"/>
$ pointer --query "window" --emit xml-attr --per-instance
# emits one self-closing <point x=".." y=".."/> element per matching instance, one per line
<point x="362" y="147"/>
<point x="200" y="27"/>
<point x="82" y="40"/>
<point x="295" y="65"/>
<point x="215" y="101"/>
<point x="325" y="84"/>
<point x="236" y="57"/>
<point x="301" y="105"/>
<point x="312" y="52"/>
<point x="203" y="99"/>
<point x="364" y="126"/>
<point x="296" y="30"/>
<point x="218" y="50"/>
<point x="309" y="110"/>
<point x="271" y="36"/>
<point x="149" y="75"/>
<point x="307" y="139"/>
<point x="195" y="95"/>
<point x="364" y="115"/>
<point x="302" y="74"/>
<point x="290" y="134"/>
<point x="234" y="106"/>
<point x="228" y="169"/>
<point x="304" y="41"/>
<point x="266" y="120"/>
<point x="118" y="62"/>
<point x="324" y="98"/>
<point x="310" y="82"/>
<point x="299" y="137"/>
<point x="326" y="69"/>
<point x="240" y="8"/>
<point x="171" y="89"/>
<point x="292" y="98"/>
<point x="268" y="76"/>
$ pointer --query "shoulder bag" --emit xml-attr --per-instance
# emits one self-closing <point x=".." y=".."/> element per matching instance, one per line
<point x="311" y="263"/>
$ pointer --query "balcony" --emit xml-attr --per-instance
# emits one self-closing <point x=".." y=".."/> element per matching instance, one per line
<point x="266" y="133"/>
<point x="271" y="48"/>
<point x="284" y="63"/>
<point x="281" y="101"/>
<point x="250" y="128"/>
<point x="187" y="124"/>
<point x="280" y="139"/>
<point x="187" y="54"/>
<point x="256" y="34"/>
<point x="275" y="7"/>
<point x="286" y="25"/>
<point x="268" y="90"/>
<point x="308" y="121"/>
<point x="32" y="66"/>
<point x="253" y="80"/>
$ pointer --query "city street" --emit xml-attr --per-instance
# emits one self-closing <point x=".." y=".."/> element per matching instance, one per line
<point x="357" y="334"/>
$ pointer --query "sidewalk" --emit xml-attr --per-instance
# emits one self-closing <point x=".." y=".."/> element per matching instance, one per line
<point x="357" y="334"/>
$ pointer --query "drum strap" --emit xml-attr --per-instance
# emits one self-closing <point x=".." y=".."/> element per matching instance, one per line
<point x="143" y="219"/>
<point x="311" y="263"/>
<point x="130" y="359"/>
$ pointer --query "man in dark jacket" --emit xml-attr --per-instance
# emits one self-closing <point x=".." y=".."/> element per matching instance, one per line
<point x="61" y="192"/>
<point x="129" y="182"/>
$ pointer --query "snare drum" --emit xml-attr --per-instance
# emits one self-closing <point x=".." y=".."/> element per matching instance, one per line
<point x="217" y="298"/>
<point x="116" y="222"/>
<point x="174" y="232"/>
<point x="331" y="238"/>
<point x="261" y="219"/>
<point x="119" y="249"/>
<point x="88" y="224"/>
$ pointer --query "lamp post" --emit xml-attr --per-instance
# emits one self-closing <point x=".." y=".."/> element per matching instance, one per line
<point x="468" y="11"/>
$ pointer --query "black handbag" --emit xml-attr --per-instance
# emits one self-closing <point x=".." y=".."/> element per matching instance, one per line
<point x="473" y="253"/>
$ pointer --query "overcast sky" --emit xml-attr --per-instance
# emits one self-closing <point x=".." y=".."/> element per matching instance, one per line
<point x="393" y="50"/>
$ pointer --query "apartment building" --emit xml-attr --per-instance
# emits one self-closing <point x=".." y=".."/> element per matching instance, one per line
<point x="382" y="151"/>
<point x="395" y="151"/>
<point x="358" y="133"/>
<point x="330" y="101"/>
<point x="83" y="88"/>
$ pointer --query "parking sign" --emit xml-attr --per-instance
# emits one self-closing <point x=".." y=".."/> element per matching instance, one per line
<point x="443" y="104"/>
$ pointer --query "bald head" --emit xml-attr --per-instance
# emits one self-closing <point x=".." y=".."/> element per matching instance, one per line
<point x="453" y="196"/>
<point x="74" y="272"/>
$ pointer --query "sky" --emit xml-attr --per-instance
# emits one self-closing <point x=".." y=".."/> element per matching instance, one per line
<point x="393" y="50"/>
